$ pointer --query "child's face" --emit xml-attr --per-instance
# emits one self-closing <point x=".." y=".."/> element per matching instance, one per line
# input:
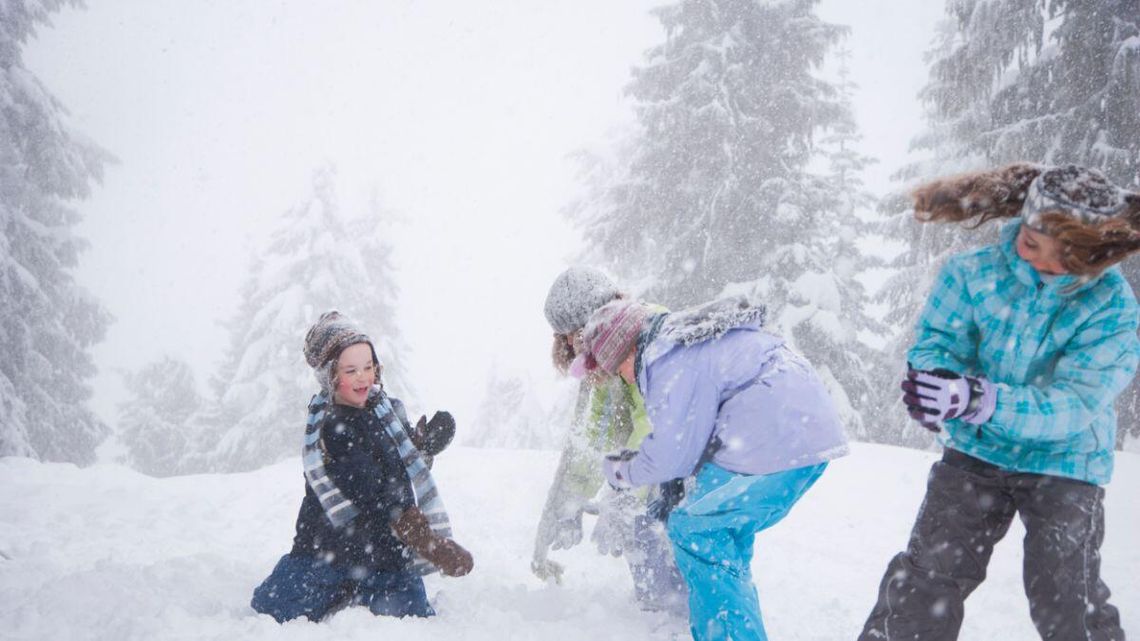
<point x="625" y="370"/>
<point x="355" y="375"/>
<point x="1040" y="250"/>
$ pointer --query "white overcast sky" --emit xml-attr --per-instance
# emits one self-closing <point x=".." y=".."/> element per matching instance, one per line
<point x="458" y="114"/>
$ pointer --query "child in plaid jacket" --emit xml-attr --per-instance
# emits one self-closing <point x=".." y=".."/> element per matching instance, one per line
<point x="1019" y="355"/>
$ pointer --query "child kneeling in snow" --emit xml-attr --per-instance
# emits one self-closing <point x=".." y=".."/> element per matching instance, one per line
<point x="730" y="403"/>
<point x="371" y="522"/>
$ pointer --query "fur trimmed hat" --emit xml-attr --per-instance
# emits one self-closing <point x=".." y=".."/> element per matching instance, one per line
<point x="575" y="295"/>
<point x="326" y="339"/>
<point x="612" y="332"/>
<point x="1079" y="192"/>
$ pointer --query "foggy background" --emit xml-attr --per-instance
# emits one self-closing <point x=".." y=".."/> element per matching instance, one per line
<point x="457" y="117"/>
<point x="185" y="188"/>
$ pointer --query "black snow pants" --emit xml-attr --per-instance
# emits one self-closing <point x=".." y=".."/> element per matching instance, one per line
<point x="968" y="508"/>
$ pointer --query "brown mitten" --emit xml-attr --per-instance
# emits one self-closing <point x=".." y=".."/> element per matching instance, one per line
<point x="413" y="529"/>
<point x="431" y="437"/>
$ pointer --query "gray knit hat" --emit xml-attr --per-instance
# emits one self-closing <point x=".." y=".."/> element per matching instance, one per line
<point x="575" y="295"/>
<point x="326" y="339"/>
<point x="1079" y="192"/>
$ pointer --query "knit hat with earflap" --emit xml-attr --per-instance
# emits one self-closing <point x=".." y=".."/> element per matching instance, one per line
<point x="1083" y="194"/>
<point x="612" y="332"/>
<point x="575" y="294"/>
<point x="326" y="339"/>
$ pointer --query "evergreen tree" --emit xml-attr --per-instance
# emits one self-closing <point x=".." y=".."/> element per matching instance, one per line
<point x="377" y="309"/>
<point x="1078" y="101"/>
<point x="154" y="425"/>
<point x="713" y="193"/>
<point x="510" y="416"/>
<point x="972" y="45"/>
<point x="727" y="106"/>
<point x="844" y="359"/>
<point x="316" y="261"/>
<point x="47" y="322"/>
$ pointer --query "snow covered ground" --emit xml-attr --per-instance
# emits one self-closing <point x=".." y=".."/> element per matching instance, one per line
<point x="106" y="553"/>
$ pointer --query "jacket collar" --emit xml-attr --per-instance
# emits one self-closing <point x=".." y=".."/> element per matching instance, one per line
<point x="645" y="339"/>
<point x="1062" y="286"/>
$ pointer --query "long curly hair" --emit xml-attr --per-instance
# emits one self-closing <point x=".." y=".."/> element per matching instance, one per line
<point x="562" y="352"/>
<point x="1088" y="248"/>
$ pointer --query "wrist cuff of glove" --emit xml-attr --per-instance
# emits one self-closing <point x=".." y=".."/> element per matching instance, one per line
<point x="976" y="393"/>
<point x="617" y="473"/>
<point x="414" y="530"/>
<point x="983" y="400"/>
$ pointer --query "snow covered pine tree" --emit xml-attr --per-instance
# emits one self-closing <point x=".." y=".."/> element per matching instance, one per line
<point x="314" y="262"/>
<point x="47" y="322"/>
<point x="713" y="195"/>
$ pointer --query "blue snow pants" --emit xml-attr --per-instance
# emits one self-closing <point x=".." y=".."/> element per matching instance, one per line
<point x="712" y="534"/>
<point x="305" y="586"/>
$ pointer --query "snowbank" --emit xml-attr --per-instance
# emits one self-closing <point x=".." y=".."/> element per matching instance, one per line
<point x="106" y="553"/>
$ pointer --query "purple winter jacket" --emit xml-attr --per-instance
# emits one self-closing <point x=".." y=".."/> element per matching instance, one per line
<point x="764" y="402"/>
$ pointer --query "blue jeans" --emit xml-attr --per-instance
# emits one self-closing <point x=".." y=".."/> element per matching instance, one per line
<point x="304" y="586"/>
<point x="712" y="534"/>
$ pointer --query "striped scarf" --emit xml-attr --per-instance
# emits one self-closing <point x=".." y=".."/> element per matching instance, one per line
<point x="339" y="508"/>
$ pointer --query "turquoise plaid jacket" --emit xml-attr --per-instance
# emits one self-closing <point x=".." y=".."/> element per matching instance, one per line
<point x="1059" y="350"/>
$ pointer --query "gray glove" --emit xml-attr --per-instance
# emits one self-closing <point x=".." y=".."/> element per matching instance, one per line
<point x="613" y="533"/>
<point x="567" y="529"/>
<point x="547" y="570"/>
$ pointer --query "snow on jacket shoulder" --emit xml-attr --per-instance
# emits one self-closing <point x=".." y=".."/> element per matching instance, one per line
<point x="746" y="388"/>
<point x="1060" y="351"/>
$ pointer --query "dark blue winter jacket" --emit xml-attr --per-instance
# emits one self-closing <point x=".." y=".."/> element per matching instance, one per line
<point x="361" y="459"/>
